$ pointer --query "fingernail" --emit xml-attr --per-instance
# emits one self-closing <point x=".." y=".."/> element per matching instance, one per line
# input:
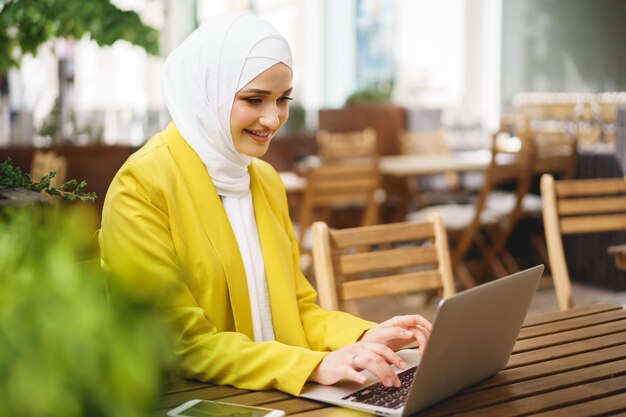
<point x="408" y="333"/>
<point x="388" y="382"/>
<point x="398" y="384"/>
<point x="402" y="364"/>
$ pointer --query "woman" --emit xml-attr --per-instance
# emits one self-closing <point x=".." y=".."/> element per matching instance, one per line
<point x="195" y="209"/>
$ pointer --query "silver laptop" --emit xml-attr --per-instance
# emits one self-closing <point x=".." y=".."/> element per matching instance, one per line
<point x="472" y="338"/>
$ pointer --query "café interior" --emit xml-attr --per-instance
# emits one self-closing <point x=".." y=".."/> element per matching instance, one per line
<point x="431" y="147"/>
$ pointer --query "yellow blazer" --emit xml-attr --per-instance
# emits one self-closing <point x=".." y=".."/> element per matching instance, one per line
<point x="164" y="226"/>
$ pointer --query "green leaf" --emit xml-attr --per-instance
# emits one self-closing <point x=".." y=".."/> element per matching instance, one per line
<point x="27" y="24"/>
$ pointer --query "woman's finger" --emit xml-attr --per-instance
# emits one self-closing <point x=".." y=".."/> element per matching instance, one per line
<point x="355" y="375"/>
<point x="387" y="353"/>
<point x="378" y="367"/>
<point x="408" y="321"/>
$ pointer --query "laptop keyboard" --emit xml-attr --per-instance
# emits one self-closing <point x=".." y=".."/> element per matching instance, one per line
<point x="381" y="396"/>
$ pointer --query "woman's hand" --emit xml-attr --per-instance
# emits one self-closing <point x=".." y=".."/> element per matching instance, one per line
<point x="400" y="331"/>
<point x="348" y="361"/>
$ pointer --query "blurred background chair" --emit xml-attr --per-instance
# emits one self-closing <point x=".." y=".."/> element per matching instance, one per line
<point x="340" y="187"/>
<point x="44" y="162"/>
<point x="432" y="189"/>
<point x="555" y="152"/>
<point x="381" y="260"/>
<point x="488" y="226"/>
<point x="577" y="207"/>
<point x="338" y="146"/>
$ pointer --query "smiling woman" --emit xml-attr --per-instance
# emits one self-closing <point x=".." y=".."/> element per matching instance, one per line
<point x="260" y="108"/>
<point x="196" y="213"/>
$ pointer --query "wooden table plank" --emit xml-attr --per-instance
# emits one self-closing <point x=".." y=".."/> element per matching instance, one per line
<point x="482" y="399"/>
<point x="569" y="314"/>
<point x="569" y="336"/>
<point x="296" y="405"/>
<point x="554" y="399"/>
<point x="333" y="412"/>
<point x="571" y="324"/>
<point x="179" y="385"/>
<point x="537" y="370"/>
<point x="603" y="406"/>
<point x="568" y="349"/>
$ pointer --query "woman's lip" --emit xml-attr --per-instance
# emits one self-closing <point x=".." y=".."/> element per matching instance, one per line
<point x="257" y="138"/>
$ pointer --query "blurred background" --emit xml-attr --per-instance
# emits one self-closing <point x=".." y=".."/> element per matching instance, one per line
<point x="455" y="63"/>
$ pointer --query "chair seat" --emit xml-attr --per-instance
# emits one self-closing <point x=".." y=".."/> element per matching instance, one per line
<point x="504" y="202"/>
<point x="457" y="216"/>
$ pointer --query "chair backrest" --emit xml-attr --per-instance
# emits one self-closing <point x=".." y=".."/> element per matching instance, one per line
<point x="433" y="142"/>
<point x="346" y="145"/>
<point x="339" y="186"/>
<point x="576" y="207"/>
<point x="555" y="153"/>
<point x="392" y="258"/>
<point x="44" y="162"/>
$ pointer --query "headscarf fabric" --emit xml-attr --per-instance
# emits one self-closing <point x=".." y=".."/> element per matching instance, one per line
<point x="200" y="80"/>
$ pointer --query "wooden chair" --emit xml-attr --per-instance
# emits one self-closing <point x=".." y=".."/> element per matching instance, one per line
<point x="486" y="223"/>
<point x="44" y="162"/>
<point x="576" y="207"/>
<point x="392" y="258"/>
<point x="338" y="146"/>
<point x="432" y="190"/>
<point x="554" y="152"/>
<point x="339" y="186"/>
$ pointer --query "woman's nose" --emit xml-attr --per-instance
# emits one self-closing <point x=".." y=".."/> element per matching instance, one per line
<point x="270" y="119"/>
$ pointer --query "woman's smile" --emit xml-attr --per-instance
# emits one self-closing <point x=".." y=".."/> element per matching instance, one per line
<point x="261" y="136"/>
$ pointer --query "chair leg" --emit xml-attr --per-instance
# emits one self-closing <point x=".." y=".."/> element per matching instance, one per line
<point x="464" y="275"/>
<point x="491" y="258"/>
<point x="539" y="244"/>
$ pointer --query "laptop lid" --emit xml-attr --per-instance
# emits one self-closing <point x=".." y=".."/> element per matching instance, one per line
<point x="472" y="338"/>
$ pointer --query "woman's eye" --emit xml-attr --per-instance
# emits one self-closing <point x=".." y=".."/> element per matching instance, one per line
<point x="254" y="100"/>
<point x="285" y="99"/>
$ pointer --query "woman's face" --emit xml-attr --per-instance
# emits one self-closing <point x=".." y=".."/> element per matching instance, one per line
<point x="260" y="108"/>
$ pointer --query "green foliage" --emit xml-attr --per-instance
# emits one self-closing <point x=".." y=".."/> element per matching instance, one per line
<point x="27" y="24"/>
<point x="11" y="177"/>
<point x="71" y="345"/>
<point x="376" y="93"/>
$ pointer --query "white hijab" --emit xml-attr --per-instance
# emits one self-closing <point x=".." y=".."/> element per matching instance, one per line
<point x="201" y="78"/>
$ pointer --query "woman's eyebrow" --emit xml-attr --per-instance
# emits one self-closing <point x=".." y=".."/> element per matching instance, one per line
<point x="266" y="92"/>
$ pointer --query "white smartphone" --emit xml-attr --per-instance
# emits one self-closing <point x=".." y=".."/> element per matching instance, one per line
<point x="204" y="408"/>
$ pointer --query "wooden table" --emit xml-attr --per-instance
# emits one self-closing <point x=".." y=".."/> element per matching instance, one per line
<point x="429" y="164"/>
<point x="401" y="173"/>
<point x="565" y="363"/>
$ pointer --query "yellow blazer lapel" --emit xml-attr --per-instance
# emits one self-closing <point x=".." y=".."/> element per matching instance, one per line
<point x="279" y="266"/>
<point x="215" y="224"/>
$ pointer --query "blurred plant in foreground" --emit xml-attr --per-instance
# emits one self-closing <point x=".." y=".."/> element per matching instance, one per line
<point x="71" y="344"/>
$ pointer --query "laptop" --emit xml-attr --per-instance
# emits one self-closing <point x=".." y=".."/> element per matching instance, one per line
<point x="472" y="338"/>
